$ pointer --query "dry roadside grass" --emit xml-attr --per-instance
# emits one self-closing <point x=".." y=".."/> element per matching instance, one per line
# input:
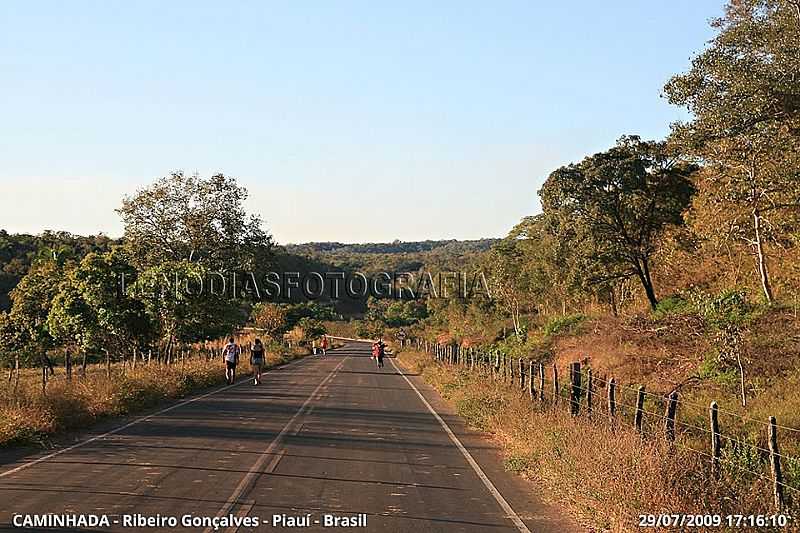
<point x="606" y="476"/>
<point x="29" y="417"/>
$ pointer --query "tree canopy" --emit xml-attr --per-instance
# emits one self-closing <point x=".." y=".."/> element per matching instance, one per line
<point x="612" y="207"/>
<point x="185" y="217"/>
<point x="743" y="91"/>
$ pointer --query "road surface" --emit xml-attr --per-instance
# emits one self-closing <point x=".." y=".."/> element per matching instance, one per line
<point x="328" y="438"/>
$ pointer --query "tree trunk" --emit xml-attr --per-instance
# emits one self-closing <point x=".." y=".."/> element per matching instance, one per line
<point x="613" y="298"/>
<point x="68" y="364"/>
<point x="761" y="257"/>
<point x="108" y="364"/>
<point x="83" y="365"/>
<point x="16" y="372"/>
<point x="647" y="281"/>
<point x="44" y="375"/>
<point x="643" y="273"/>
<point x="741" y="379"/>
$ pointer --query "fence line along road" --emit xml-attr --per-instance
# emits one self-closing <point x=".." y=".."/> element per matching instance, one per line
<point x="531" y="379"/>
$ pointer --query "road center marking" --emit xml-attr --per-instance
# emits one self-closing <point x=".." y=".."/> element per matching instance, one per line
<point x="255" y="471"/>
<point x="510" y="513"/>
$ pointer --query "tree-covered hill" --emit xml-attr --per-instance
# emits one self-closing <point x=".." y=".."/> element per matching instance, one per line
<point x="397" y="256"/>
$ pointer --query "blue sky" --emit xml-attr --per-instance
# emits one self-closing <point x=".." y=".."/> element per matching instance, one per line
<point x="348" y="121"/>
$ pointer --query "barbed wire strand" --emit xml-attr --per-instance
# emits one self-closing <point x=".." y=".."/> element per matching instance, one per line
<point x="692" y="404"/>
<point x="657" y="415"/>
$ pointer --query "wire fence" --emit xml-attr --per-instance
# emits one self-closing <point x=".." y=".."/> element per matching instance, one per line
<point x="588" y="394"/>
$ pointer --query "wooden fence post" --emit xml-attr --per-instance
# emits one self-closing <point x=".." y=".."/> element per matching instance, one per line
<point x="716" y="448"/>
<point x="612" y="400"/>
<point x="589" y="390"/>
<point x="575" y="389"/>
<point x="669" y="419"/>
<point x="775" y="464"/>
<point x="637" y="420"/>
<point x="521" y="374"/>
<point x="531" y="388"/>
<point x="541" y="382"/>
<point x="555" y="383"/>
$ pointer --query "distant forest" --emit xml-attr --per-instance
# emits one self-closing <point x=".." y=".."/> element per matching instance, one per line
<point x="19" y="251"/>
<point x="397" y="256"/>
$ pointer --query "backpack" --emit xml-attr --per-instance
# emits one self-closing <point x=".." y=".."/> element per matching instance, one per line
<point x="257" y="355"/>
<point x="231" y="353"/>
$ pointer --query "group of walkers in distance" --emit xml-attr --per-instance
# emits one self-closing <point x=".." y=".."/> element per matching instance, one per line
<point x="232" y="351"/>
<point x="323" y="346"/>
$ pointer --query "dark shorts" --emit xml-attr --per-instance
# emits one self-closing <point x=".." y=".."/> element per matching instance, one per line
<point x="230" y="365"/>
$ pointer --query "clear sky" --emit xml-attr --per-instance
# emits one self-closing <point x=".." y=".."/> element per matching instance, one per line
<point x="347" y="121"/>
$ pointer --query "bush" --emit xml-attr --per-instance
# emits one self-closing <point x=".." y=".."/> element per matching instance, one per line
<point x="730" y="307"/>
<point x="672" y="305"/>
<point x="712" y="368"/>
<point x="563" y="324"/>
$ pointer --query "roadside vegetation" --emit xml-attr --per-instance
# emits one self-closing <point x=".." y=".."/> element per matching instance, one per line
<point x="607" y="475"/>
<point x="30" y="417"/>
<point x="673" y="264"/>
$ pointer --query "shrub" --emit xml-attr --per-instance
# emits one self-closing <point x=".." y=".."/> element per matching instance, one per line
<point x="563" y="324"/>
<point x="672" y="305"/>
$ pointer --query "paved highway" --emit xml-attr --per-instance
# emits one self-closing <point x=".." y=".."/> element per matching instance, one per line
<point x="325" y="436"/>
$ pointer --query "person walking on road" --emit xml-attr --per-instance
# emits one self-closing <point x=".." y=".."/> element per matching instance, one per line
<point x="378" y="352"/>
<point x="324" y="345"/>
<point x="257" y="360"/>
<point x="381" y="352"/>
<point x="375" y="351"/>
<point x="230" y="354"/>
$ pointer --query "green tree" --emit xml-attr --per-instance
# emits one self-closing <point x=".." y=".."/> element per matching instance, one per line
<point x="12" y="343"/>
<point x="270" y="317"/>
<point x="743" y="92"/>
<point x="404" y="313"/>
<point x="91" y="310"/>
<point x="32" y="299"/>
<point x="613" y="207"/>
<point x="182" y="217"/>
<point x="311" y="328"/>
<point x="182" y="308"/>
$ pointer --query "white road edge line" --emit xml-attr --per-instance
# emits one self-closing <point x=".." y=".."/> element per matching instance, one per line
<point x="133" y="423"/>
<point x="510" y="513"/>
<point x="255" y="470"/>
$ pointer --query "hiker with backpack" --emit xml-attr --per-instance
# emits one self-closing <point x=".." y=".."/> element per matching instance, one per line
<point x="230" y="354"/>
<point x="257" y="360"/>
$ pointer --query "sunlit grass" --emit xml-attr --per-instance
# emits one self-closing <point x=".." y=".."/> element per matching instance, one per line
<point x="606" y="474"/>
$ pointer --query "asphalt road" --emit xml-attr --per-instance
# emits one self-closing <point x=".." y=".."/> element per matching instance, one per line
<point x="323" y="436"/>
